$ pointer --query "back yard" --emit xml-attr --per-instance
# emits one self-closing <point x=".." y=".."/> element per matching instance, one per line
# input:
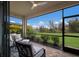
<point x="71" y="41"/>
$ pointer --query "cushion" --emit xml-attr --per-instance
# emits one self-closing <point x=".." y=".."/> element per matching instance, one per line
<point x="18" y="36"/>
<point x="25" y="41"/>
<point x="11" y="38"/>
<point x="18" y="39"/>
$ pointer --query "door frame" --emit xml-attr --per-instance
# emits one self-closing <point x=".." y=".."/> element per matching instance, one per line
<point x="5" y="51"/>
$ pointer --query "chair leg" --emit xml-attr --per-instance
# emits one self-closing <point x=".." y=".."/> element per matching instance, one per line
<point x="14" y="45"/>
<point x="44" y="54"/>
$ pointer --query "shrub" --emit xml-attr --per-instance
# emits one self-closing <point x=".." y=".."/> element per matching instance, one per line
<point x="45" y="38"/>
<point x="56" y="41"/>
<point x="13" y="32"/>
<point x="51" y="38"/>
<point x="19" y="31"/>
<point x="31" y="34"/>
<point x="37" y="39"/>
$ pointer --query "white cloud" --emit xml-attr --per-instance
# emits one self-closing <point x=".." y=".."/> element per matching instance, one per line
<point x="20" y="22"/>
<point x="35" y="26"/>
<point x="66" y="23"/>
<point x="12" y="21"/>
<point x="56" y="22"/>
<point x="28" y="24"/>
<point x="40" y="23"/>
<point x="60" y="20"/>
<point x="46" y="26"/>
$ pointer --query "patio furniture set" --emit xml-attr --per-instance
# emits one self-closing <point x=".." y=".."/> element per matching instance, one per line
<point x="25" y="47"/>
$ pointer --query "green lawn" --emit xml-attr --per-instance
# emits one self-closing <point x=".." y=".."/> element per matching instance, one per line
<point x="72" y="42"/>
<point x="50" y="34"/>
<point x="69" y="41"/>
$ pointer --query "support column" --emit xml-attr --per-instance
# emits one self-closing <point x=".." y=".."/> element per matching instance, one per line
<point x="24" y="25"/>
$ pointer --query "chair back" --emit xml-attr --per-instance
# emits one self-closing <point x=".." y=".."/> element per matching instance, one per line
<point x="13" y="37"/>
<point x="24" y="50"/>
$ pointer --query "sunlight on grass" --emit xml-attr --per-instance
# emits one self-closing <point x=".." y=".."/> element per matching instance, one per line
<point x="72" y="42"/>
<point x="69" y="41"/>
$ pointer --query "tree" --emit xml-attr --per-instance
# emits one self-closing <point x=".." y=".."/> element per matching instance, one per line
<point x="30" y="32"/>
<point x="15" y="28"/>
<point x="60" y="27"/>
<point x="51" y="26"/>
<point x="74" y="25"/>
<point x="43" y="29"/>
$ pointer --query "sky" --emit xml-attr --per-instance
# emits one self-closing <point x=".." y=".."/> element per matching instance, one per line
<point x="15" y="20"/>
<point x="44" y="19"/>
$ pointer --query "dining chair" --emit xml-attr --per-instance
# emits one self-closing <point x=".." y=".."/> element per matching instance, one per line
<point x="28" y="50"/>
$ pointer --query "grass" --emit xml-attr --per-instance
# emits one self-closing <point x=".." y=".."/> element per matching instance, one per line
<point x="72" y="42"/>
<point x="59" y="34"/>
<point x="69" y="41"/>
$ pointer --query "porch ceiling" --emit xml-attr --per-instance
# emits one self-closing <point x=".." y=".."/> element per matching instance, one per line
<point x="23" y="8"/>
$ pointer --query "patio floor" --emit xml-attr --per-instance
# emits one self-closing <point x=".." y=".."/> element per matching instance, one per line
<point x="50" y="52"/>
